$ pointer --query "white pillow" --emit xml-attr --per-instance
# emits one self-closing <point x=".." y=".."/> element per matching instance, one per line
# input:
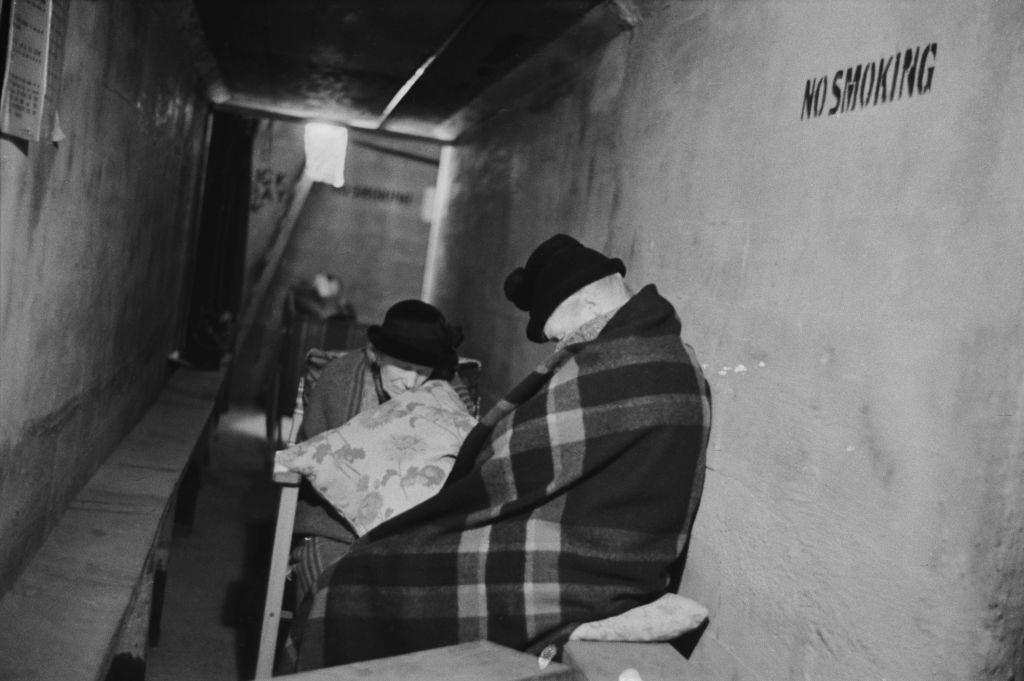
<point x="388" y="459"/>
<point x="664" y="619"/>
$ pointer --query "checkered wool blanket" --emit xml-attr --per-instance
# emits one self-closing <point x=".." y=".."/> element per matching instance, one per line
<point x="567" y="504"/>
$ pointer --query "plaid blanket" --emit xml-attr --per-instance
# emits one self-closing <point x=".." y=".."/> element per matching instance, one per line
<point x="567" y="504"/>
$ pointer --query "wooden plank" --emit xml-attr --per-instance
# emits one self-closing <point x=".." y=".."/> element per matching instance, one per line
<point x="475" y="661"/>
<point x="272" y="605"/>
<point x="606" y="660"/>
<point x="64" y="616"/>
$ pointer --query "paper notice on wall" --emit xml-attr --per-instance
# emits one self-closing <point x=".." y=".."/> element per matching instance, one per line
<point x="35" y="58"/>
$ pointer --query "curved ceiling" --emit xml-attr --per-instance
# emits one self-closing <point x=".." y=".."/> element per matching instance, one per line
<point x="404" y="66"/>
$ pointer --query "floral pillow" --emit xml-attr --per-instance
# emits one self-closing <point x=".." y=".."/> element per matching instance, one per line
<point x="388" y="459"/>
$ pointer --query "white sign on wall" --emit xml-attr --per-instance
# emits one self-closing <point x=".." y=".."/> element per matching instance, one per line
<point x="35" y="56"/>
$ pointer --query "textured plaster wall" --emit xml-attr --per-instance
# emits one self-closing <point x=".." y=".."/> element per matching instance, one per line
<point x="278" y="159"/>
<point x="372" y="234"/>
<point x="277" y="162"/>
<point x="94" y="235"/>
<point x="854" y="288"/>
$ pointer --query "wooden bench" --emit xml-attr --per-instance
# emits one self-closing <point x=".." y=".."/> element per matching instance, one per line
<point x="606" y="660"/>
<point x="85" y="597"/>
<point x="486" y="661"/>
<point x="475" y="661"/>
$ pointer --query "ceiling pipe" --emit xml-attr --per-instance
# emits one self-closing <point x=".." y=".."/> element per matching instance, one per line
<point x="408" y="85"/>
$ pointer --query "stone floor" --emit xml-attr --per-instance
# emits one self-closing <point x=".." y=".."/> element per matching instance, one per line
<point x="214" y="595"/>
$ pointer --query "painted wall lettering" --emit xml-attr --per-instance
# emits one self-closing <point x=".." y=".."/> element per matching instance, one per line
<point x="268" y="186"/>
<point x="906" y="73"/>
<point x="381" y="194"/>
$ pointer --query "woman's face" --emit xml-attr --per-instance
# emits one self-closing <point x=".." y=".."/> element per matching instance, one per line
<point x="566" y="318"/>
<point x="399" y="376"/>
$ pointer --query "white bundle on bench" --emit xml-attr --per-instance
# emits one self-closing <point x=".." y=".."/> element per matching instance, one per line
<point x="664" y="619"/>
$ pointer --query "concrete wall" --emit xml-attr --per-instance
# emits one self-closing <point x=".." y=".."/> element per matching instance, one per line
<point x="94" y="236"/>
<point x="277" y="162"/>
<point x="851" y="282"/>
<point x="371" y="233"/>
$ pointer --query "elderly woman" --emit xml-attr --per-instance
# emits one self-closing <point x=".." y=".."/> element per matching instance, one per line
<point x="412" y="345"/>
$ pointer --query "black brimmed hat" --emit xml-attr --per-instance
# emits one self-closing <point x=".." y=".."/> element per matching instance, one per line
<point x="554" y="271"/>
<point x="416" y="332"/>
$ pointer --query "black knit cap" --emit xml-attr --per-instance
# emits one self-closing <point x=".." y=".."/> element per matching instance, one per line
<point x="554" y="271"/>
<point x="416" y="332"/>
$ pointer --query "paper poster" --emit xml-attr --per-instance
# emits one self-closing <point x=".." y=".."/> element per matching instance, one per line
<point x="35" y="56"/>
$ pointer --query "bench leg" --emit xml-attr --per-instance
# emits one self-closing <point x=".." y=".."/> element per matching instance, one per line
<point x="275" y="581"/>
<point x="161" y="558"/>
<point x="188" y="497"/>
<point x="129" y="661"/>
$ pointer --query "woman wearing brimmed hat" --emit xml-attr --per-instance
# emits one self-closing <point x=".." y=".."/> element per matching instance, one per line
<point x="414" y="343"/>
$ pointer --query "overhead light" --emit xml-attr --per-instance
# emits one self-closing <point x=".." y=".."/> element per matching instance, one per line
<point x="326" y="145"/>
